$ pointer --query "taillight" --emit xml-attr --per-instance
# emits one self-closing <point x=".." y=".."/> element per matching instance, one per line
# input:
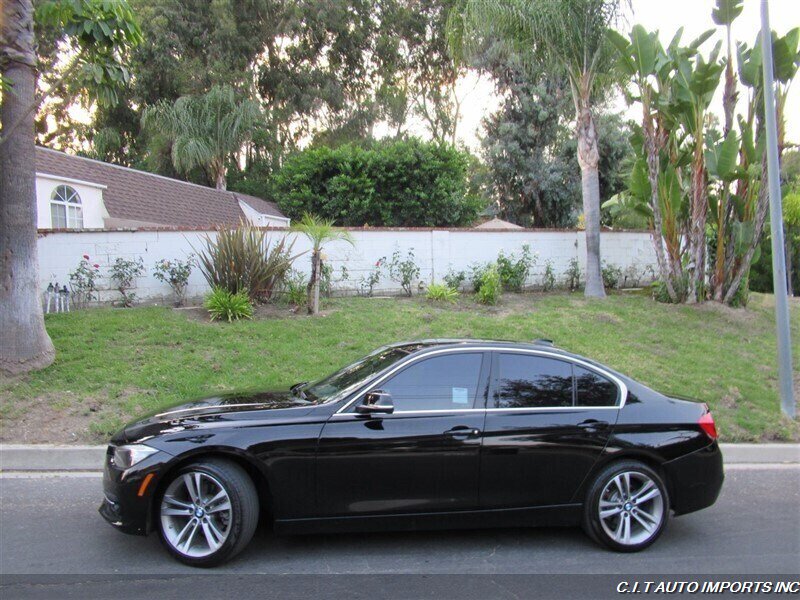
<point x="707" y="424"/>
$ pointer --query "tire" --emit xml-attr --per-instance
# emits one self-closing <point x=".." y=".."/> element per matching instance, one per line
<point x="647" y="518"/>
<point x="209" y="528"/>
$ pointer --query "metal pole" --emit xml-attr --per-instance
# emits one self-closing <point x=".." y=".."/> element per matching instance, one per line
<point x="776" y="220"/>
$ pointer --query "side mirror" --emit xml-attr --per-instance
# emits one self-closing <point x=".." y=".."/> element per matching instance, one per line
<point x="376" y="402"/>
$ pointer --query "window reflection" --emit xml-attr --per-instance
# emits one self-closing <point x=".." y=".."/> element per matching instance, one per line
<point x="526" y="381"/>
<point x="594" y="389"/>
<point x="438" y="383"/>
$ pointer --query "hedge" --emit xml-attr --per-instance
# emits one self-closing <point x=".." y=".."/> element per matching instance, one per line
<point x="392" y="183"/>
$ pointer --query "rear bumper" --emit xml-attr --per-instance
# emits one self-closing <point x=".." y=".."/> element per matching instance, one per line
<point x="695" y="480"/>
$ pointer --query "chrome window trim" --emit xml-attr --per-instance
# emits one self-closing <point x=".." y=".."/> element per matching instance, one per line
<point x="623" y="389"/>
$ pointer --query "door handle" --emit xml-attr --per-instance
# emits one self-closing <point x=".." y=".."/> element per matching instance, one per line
<point x="462" y="432"/>
<point x="592" y="425"/>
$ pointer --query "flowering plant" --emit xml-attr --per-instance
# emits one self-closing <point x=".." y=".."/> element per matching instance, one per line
<point x="175" y="273"/>
<point x="83" y="282"/>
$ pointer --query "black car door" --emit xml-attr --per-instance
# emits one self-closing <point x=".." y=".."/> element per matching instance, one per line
<point x="547" y="422"/>
<point x="424" y="457"/>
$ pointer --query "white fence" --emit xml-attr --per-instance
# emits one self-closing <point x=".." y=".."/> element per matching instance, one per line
<point x="436" y="251"/>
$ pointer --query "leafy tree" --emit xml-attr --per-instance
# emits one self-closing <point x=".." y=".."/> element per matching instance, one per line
<point x="319" y="232"/>
<point x="686" y="164"/>
<point x="96" y="31"/>
<point x="202" y="131"/>
<point x="570" y="38"/>
<point x="521" y="147"/>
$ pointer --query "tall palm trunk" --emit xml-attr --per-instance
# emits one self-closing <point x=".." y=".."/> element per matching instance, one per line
<point x="313" y="283"/>
<point x="699" y="214"/>
<point x="26" y="345"/>
<point x="589" y="159"/>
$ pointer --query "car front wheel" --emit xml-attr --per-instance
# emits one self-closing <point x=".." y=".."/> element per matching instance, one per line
<point x="627" y="507"/>
<point x="208" y="512"/>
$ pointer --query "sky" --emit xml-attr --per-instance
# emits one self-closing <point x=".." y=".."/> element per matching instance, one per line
<point x="666" y="16"/>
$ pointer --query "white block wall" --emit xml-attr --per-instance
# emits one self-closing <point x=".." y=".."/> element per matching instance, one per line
<point x="435" y="252"/>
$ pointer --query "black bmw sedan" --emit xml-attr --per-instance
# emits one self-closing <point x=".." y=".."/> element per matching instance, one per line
<point x="422" y="435"/>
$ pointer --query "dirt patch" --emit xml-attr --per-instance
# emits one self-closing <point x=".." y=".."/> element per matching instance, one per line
<point x="46" y="420"/>
<point x="43" y="423"/>
<point x="731" y="399"/>
<point x="260" y="311"/>
<point x="607" y="318"/>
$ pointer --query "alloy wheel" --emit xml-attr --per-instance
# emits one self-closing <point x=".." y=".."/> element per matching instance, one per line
<point x="196" y="514"/>
<point x="631" y="508"/>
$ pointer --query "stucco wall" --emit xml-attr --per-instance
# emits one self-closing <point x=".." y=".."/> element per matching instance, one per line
<point x="91" y="196"/>
<point x="435" y="251"/>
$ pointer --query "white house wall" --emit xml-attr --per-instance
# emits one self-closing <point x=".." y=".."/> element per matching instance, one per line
<point x="91" y="200"/>
<point x="435" y="252"/>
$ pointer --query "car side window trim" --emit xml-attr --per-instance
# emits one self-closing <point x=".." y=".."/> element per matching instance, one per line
<point x="478" y="402"/>
<point x="622" y="389"/>
<point x="492" y="350"/>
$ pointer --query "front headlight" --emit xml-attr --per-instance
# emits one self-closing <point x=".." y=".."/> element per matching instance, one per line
<point x="127" y="456"/>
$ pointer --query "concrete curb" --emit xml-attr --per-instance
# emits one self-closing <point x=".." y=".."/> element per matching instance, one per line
<point x="47" y="457"/>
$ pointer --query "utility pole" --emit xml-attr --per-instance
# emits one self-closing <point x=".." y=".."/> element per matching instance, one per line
<point x="788" y="402"/>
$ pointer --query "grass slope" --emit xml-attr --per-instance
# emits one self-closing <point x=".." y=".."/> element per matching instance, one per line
<point x="114" y="364"/>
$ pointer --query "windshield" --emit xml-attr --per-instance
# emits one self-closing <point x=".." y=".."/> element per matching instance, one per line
<point x="357" y="373"/>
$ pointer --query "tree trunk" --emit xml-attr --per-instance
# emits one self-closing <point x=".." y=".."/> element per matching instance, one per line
<point x="742" y="270"/>
<point x="219" y="178"/>
<point x="697" y="228"/>
<point x="589" y="159"/>
<point x="313" y="284"/>
<point x="26" y="345"/>
<point x="652" y="151"/>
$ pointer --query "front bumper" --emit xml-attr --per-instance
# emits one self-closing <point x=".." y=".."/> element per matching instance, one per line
<point x="695" y="480"/>
<point x="128" y="494"/>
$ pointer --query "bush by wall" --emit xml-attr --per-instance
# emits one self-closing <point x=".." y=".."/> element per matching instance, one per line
<point x="392" y="183"/>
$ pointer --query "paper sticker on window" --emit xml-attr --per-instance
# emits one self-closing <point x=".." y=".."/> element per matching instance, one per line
<point x="460" y="395"/>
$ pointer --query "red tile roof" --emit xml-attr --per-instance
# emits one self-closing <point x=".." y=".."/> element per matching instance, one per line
<point x="133" y="196"/>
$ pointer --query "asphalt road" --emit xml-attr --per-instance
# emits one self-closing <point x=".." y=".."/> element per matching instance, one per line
<point x="50" y="525"/>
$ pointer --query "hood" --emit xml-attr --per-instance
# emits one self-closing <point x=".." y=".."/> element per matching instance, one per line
<point x="214" y="409"/>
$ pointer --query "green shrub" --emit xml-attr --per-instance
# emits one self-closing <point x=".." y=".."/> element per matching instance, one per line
<point x="393" y="183"/>
<point x="612" y="275"/>
<point x="476" y="272"/>
<point x="295" y="288"/>
<point x="367" y="283"/>
<point x="454" y="279"/>
<point x="514" y="271"/>
<point x="83" y="282"/>
<point x="243" y="259"/>
<point x="175" y="273"/>
<point x="124" y="273"/>
<point x="490" y="287"/>
<point x="549" y="278"/>
<point x="440" y="292"/>
<point x="573" y="275"/>
<point x="404" y="270"/>
<point x="222" y="304"/>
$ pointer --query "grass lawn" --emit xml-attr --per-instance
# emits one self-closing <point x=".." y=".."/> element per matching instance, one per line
<point x="115" y="364"/>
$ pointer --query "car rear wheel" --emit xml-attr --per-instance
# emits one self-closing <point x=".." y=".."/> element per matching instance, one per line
<point x="627" y="507"/>
<point x="208" y="512"/>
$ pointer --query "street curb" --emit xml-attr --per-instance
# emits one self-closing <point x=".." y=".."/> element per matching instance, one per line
<point x="47" y="457"/>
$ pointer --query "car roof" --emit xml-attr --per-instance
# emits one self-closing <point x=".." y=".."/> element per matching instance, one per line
<point x="430" y="344"/>
<point x="427" y="345"/>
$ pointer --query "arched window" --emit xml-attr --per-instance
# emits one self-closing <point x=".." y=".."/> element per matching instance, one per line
<point x="65" y="208"/>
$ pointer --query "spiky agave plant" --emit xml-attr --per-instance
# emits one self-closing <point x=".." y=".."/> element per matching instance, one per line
<point x="244" y="258"/>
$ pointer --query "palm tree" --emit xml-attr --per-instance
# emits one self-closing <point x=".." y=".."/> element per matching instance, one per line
<point x="319" y="232"/>
<point x="26" y="345"/>
<point x="568" y="36"/>
<point x="203" y="131"/>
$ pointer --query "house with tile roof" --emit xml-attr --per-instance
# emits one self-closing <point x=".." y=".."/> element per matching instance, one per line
<point x="73" y="192"/>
